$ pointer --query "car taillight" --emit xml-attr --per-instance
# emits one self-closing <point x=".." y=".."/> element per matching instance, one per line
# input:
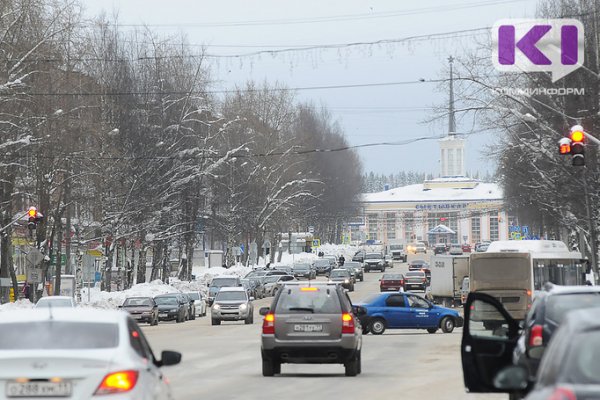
<point x="269" y="324"/>
<point x="562" y="393"/>
<point x="347" y="323"/>
<point x="118" y="382"/>
<point x="535" y="336"/>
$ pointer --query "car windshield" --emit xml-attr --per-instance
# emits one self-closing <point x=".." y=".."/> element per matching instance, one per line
<point x="301" y="267"/>
<point x="557" y="306"/>
<point x="322" y="262"/>
<point x="231" y="296"/>
<point x="339" y="274"/>
<point x="193" y="296"/>
<point x="166" y="300"/>
<point x="315" y="300"/>
<point x="372" y="256"/>
<point x="58" y="335"/>
<point x="272" y="278"/>
<point x="224" y="282"/>
<point x="54" y="303"/>
<point x="138" y="302"/>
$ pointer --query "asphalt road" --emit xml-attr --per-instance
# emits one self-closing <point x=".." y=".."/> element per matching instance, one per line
<point x="223" y="362"/>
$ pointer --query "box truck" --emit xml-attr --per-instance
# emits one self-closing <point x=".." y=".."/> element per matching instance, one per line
<point x="447" y="273"/>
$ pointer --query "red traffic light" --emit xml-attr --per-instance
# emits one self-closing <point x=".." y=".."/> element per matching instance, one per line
<point x="565" y="148"/>
<point x="577" y="136"/>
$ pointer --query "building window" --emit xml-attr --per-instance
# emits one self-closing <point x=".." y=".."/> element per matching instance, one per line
<point x="493" y="228"/>
<point x="390" y="220"/>
<point x="475" y="229"/>
<point x="372" y="221"/>
<point x="409" y="220"/>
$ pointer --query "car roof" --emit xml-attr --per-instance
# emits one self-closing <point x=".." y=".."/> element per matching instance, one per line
<point x="138" y="297"/>
<point x="63" y="314"/>
<point x="167" y="294"/>
<point x="226" y="277"/>
<point x="552" y="289"/>
<point x="339" y="269"/>
<point x="232" y="289"/>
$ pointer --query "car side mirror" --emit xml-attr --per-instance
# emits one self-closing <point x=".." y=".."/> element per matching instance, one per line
<point x="511" y="378"/>
<point x="251" y="298"/>
<point x="264" y="311"/>
<point x="169" y="358"/>
<point x="359" y="310"/>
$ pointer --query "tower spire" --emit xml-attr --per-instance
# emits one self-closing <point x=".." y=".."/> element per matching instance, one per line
<point x="451" y="118"/>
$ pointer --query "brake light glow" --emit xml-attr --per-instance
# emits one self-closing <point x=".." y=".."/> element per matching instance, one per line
<point x="118" y="382"/>
<point x="308" y="289"/>
<point x="529" y="293"/>
<point x="535" y="337"/>
<point x="562" y="393"/>
<point x="347" y="323"/>
<point x="269" y="324"/>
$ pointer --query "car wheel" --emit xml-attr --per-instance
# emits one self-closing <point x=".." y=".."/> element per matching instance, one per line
<point x="383" y="269"/>
<point x="447" y="324"/>
<point x="432" y="330"/>
<point x="377" y="326"/>
<point x="154" y="322"/>
<point x="359" y="362"/>
<point x="362" y="278"/>
<point x="268" y="367"/>
<point x="248" y="320"/>
<point x="193" y="315"/>
<point x="352" y="366"/>
<point x="216" y="321"/>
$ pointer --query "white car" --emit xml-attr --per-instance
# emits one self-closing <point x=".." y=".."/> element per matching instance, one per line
<point x="55" y="302"/>
<point x="78" y="354"/>
<point x="199" y="302"/>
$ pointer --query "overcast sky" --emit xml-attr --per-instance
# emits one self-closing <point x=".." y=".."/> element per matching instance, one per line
<point x="367" y="114"/>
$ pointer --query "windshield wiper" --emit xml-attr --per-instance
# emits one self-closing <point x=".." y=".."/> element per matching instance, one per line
<point x="312" y="310"/>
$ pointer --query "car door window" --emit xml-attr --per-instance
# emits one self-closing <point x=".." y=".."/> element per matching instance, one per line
<point x="395" y="301"/>
<point x="138" y="342"/>
<point x="486" y="321"/>
<point x="417" y="302"/>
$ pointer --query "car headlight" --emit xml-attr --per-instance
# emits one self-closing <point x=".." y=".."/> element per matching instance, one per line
<point x="216" y="307"/>
<point x="346" y="281"/>
<point x="380" y="263"/>
<point x="243" y="307"/>
<point x="173" y="310"/>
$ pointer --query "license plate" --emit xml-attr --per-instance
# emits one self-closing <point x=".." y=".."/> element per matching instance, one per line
<point x="163" y="314"/>
<point x="38" y="389"/>
<point x="308" y="328"/>
<point x="138" y="316"/>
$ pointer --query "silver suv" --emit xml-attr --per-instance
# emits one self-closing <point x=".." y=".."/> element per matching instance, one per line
<point x="232" y="304"/>
<point x="311" y="323"/>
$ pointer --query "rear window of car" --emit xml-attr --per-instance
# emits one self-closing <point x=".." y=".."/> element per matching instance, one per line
<point x="343" y="273"/>
<point x="231" y="296"/>
<point x="54" y="303"/>
<point x="415" y="274"/>
<point x="322" y="262"/>
<point x="302" y="300"/>
<point x="558" y="306"/>
<point x="223" y="282"/>
<point x="391" y="277"/>
<point x="58" y="335"/>
<point x="194" y="296"/>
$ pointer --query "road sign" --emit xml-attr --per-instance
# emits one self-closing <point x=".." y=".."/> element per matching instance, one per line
<point x="311" y="229"/>
<point x="316" y="243"/>
<point x="34" y="258"/>
<point x="34" y="275"/>
<point x="5" y="282"/>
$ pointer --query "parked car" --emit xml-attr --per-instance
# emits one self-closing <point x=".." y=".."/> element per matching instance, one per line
<point x="415" y="280"/>
<point x="342" y="276"/>
<point x="272" y="283"/>
<point x="569" y="366"/>
<point x="141" y="309"/>
<point x="311" y="324"/>
<point x="359" y="256"/>
<point x="79" y="354"/>
<point x="406" y="311"/>
<point x="172" y="306"/>
<point x="548" y="310"/>
<point x="374" y="261"/>
<point x="55" y="302"/>
<point x="455" y="249"/>
<point x="439" y="248"/>
<point x="253" y="286"/>
<point x="232" y="304"/>
<point x="191" y="314"/>
<point x="199" y="302"/>
<point x="304" y="270"/>
<point x="466" y="248"/>
<point x="333" y="260"/>
<point x="224" y="281"/>
<point x="393" y="282"/>
<point x="322" y="266"/>
<point x="358" y="271"/>
<point x="284" y="268"/>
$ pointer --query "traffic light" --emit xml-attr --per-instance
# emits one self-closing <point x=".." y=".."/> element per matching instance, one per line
<point x="577" y="146"/>
<point x="34" y="217"/>
<point x="564" y="146"/>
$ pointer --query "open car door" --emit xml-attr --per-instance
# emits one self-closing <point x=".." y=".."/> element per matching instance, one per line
<point x="489" y="338"/>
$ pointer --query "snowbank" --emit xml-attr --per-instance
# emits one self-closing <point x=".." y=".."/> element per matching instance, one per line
<point x="18" y="305"/>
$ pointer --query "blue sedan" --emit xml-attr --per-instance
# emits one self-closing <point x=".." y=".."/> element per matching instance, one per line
<point x="399" y="310"/>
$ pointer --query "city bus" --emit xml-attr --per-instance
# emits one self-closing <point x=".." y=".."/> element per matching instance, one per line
<point x="514" y="270"/>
